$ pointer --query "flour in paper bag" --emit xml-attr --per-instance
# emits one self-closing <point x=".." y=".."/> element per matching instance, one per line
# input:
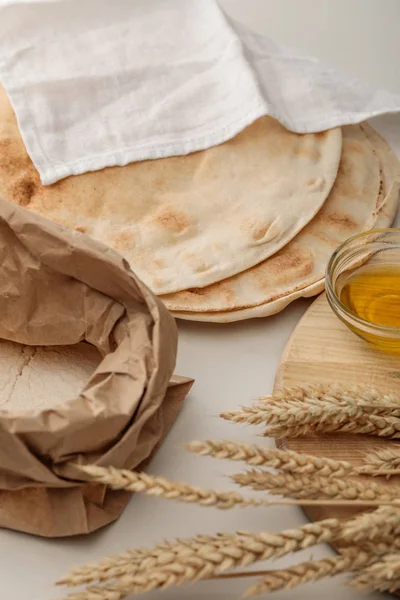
<point x="38" y="377"/>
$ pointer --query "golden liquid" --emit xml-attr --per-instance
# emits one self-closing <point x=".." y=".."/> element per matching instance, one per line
<point x="372" y="292"/>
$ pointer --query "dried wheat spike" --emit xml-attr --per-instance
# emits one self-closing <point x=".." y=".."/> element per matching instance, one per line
<point x="184" y="492"/>
<point x="379" y="585"/>
<point x="242" y="548"/>
<point x="290" y="414"/>
<point x="310" y="571"/>
<point x="377" y="425"/>
<point x="122" y="479"/>
<point x="383" y="575"/>
<point x="381" y="459"/>
<point x="314" y="486"/>
<point x="131" y="561"/>
<point x="383" y="523"/>
<point x="211" y="560"/>
<point x="194" y="562"/>
<point x="333" y="393"/>
<point x="314" y="405"/>
<point x="285" y="460"/>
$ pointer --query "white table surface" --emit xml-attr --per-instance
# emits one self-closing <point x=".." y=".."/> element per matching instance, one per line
<point x="232" y="364"/>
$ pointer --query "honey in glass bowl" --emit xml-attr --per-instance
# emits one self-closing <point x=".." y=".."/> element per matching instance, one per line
<point x="363" y="286"/>
<point x="372" y="293"/>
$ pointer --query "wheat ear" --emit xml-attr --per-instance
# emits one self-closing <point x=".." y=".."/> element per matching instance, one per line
<point x="193" y="564"/>
<point x="122" y="479"/>
<point x="383" y="575"/>
<point x="291" y="414"/>
<point x="315" y="486"/>
<point x="333" y="393"/>
<point x="382" y="523"/>
<point x="131" y="560"/>
<point x="338" y="401"/>
<point x="285" y="460"/>
<point x="211" y="565"/>
<point x="351" y="559"/>
<point x="385" y="459"/>
<point x="310" y="571"/>
<point x="388" y="427"/>
<point x="245" y="548"/>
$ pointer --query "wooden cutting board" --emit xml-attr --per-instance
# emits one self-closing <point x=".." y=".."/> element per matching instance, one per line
<point x="322" y="350"/>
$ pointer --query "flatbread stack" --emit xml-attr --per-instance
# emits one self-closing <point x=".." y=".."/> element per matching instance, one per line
<point x="236" y="231"/>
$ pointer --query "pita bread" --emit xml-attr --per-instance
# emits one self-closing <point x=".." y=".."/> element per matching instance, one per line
<point x="187" y="221"/>
<point x="350" y="209"/>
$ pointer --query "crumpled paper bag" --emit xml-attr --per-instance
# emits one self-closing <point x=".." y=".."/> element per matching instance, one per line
<point x="60" y="287"/>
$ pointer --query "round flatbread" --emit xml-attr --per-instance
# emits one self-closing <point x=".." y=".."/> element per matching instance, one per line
<point x="187" y="221"/>
<point x="365" y="195"/>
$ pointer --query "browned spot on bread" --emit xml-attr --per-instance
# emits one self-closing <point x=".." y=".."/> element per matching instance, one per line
<point x="158" y="282"/>
<point x="324" y="236"/>
<point x="290" y="258"/>
<point x="159" y="262"/>
<point x="224" y="290"/>
<point x="196" y="262"/>
<point x="81" y="228"/>
<point x="320" y="135"/>
<point x="124" y="240"/>
<point x="23" y="190"/>
<point x="13" y="163"/>
<point x="283" y="266"/>
<point x="159" y="182"/>
<point x="172" y="220"/>
<point x="341" y="219"/>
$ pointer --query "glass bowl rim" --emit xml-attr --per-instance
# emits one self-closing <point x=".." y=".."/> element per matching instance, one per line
<point x="334" y="299"/>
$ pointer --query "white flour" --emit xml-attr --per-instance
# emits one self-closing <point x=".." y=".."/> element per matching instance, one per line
<point x="37" y="377"/>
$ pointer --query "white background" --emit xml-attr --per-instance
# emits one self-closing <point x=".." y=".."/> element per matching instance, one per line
<point x="232" y="364"/>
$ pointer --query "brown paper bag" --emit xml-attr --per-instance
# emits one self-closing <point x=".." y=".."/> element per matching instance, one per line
<point x="60" y="287"/>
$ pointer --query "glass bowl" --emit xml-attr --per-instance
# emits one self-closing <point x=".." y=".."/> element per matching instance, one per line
<point x="363" y="286"/>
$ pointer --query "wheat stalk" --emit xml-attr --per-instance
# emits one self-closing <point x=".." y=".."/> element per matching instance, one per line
<point x="309" y="480"/>
<point x="308" y="571"/>
<point x="388" y="427"/>
<point x="381" y="461"/>
<point x="382" y="523"/>
<point x="122" y="479"/>
<point x="244" y="547"/>
<point x="290" y="414"/>
<point x="306" y="486"/>
<point x="384" y="575"/>
<point x="285" y="460"/>
<point x="378" y="584"/>
<point x="211" y="562"/>
<point x="332" y="393"/>
<point x="350" y="559"/>
<point x="132" y="560"/>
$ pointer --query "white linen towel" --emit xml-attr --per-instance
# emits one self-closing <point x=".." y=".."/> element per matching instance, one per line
<point x="96" y="83"/>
